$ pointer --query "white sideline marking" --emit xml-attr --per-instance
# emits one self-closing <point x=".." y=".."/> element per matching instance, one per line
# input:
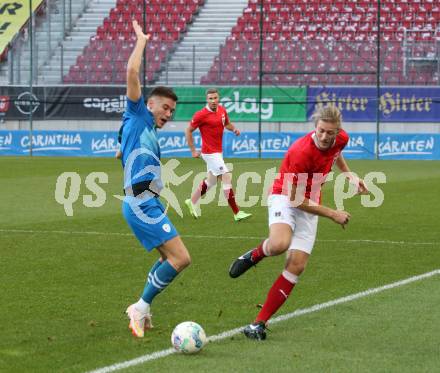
<point x="92" y="233"/>
<point x="304" y="311"/>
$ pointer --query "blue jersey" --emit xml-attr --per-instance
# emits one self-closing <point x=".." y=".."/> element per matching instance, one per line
<point x="141" y="161"/>
<point x="140" y="146"/>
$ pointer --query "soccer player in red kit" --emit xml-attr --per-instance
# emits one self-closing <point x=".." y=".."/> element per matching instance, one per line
<point x="294" y="207"/>
<point x="211" y="122"/>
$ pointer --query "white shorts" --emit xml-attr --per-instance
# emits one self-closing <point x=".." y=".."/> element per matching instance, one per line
<point x="215" y="163"/>
<point x="304" y="225"/>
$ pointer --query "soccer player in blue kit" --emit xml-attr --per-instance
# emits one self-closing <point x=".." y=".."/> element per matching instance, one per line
<point x="142" y="209"/>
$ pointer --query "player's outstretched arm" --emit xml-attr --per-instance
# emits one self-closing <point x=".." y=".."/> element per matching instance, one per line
<point x="232" y="128"/>
<point x="343" y="166"/>
<point x="307" y="205"/>
<point x="134" y="64"/>
<point x="190" y="140"/>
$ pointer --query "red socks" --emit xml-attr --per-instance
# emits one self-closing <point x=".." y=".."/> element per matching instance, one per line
<point x="258" y="253"/>
<point x="277" y="295"/>
<point x="229" y="194"/>
<point x="201" y="191"/>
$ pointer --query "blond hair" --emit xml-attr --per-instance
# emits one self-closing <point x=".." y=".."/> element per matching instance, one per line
<point x="329" y="113"/>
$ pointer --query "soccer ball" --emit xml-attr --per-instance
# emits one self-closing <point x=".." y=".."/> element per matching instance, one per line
<point x="188" y="337"/>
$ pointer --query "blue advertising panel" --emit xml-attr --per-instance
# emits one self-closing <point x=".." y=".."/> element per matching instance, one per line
<point x="8" y="143"/>
<point x="173" y="144"/>
<point x="409" y="146"/>
<point x="396" y="104"/>
<point x="59" y="143"/>
<point x="360" y="146"/>
<point x="273" y="144"/>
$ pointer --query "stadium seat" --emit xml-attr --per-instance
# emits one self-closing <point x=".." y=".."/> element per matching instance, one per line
<point x="104" y="59"/>
<point x="336" y="35"/>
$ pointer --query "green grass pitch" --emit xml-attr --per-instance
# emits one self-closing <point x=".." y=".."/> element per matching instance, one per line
<point x="63" y="294"/>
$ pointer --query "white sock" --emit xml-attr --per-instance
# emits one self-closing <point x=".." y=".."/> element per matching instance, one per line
<point x="265" y="248"/>
<point x="142" y="306"/>
<point x="292" y="278"/>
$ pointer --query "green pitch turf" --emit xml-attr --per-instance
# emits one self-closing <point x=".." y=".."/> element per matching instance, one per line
<point x="66" y="281"/>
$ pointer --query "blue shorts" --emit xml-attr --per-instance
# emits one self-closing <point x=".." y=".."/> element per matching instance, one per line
<point x="148" y="222"/>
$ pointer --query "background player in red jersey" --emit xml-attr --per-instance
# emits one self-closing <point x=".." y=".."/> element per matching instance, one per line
<point x="302" y="173"/>
<point x="211" y="121"/>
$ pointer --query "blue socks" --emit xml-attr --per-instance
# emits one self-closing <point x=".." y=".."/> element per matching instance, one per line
<point x="153" y="269"/>
<point x="161" y="277"/>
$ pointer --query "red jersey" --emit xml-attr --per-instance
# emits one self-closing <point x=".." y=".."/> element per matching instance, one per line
<point x="306" y="165"/>
<point x="211" y="125"/>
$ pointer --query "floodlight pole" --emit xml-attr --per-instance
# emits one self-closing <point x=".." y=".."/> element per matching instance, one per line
<point x="31" y="77"/>
<point x="378" y="81"/>
<point x="260" y="78"/>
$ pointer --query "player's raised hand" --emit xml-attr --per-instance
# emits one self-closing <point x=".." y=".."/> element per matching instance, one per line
<point x="139" y="33"/>
<point x="358" y="183"/>
<point x="237" y="132"/>
<point x="362" y="188"/>
<point x="195" y="154"/>
<point x="341" y="217"/>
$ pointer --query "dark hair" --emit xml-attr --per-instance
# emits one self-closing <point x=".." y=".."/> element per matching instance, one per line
<point x="210" y="91"/>
<point x="162" y="91"/>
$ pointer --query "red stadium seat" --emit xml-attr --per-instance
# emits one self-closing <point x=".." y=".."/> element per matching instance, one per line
<point x="324" y="35"/>
<point x="339" y="25"/>
<point x="104" y="59"/>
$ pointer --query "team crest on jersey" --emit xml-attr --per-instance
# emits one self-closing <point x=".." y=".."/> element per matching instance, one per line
<point x="223" y="120"/>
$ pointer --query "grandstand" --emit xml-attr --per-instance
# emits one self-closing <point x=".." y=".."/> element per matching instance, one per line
<point x="218" y="42"/>
<point x="330" y="36"/>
